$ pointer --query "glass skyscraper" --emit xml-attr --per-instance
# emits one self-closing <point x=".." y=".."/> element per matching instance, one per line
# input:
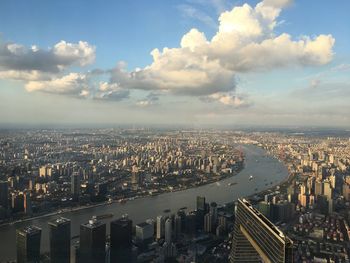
<point x="28" y="244"/>
<point x="256" y="239"/>
<point x="59" y="232"/>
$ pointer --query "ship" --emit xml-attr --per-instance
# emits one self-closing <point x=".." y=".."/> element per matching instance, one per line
<point x="233" y="183"/>
<point x="251" y="178"/>
<point x="104" y="216"/>
<point x="166" y="210"/>
<point x="122" y="201"/>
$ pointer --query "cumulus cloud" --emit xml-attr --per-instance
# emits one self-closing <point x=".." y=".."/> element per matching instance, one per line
<point x="111" y="92"/>
<point x="72" y="84"/>
<point x="20" y="62"/>
<point x="245" y="42"/>
<point x="227" y="99"/>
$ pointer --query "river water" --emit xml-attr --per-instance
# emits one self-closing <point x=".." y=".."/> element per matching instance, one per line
<point x="265" y="169"/>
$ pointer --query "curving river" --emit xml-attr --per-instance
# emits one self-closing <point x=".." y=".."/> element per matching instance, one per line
<point x="264" y="168"/>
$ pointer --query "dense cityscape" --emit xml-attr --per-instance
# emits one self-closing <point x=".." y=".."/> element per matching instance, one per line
<point x="50" y="172"/>
<point x="189" y="131"/>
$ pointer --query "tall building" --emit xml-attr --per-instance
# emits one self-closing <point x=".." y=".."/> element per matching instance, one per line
<point x="27" y="203"/>
<point x="201" y="211"/>
<point x="201" y="203"/>
<point x="144" y="232"/>
<point x="208" y="223"/>
<point x="59" y="234"/>
<point x="256" y="239"/>
<point x="28" y="244"/>
<point x="160" y="227"/>
<point x="168" y="230"/>
<point x="4" y="194"/>
<point x="92" y="242"/>
<point x="121" y="240"/>
<point x="75" y="184"/>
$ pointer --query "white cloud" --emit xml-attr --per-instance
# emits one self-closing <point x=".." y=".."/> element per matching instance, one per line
<point x="245" y="42"/>
<point x="72" y="84"/>
<point x="227" y="99"/>
<point x="111" y="91"/>
<point x="81" y="53"/>
<point x="19" y="62"/>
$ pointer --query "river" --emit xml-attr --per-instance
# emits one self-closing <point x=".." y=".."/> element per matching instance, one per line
<point x="264" y="168"/>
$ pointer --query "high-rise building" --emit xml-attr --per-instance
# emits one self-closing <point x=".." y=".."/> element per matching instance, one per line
<point x="160" y="227"/>
<point x="4" y="194"/>
<point x="27" y="203"/>
<point x="59" y="234"/>
<point x="256" y="239"/>
<point x="327" y="190"/>
<point x="144" y="232"/>
<point x="214" y="212"/>
<point x="177" y="226"/>
<point x="121" y="240"/>
<point x="28" y="244"/>
<point x="208" y="223"/>
<point x="168" y="230"/>
<point x="92" y="242"/>
<point x="75" y="184"/>
<point x="201" y="203"/>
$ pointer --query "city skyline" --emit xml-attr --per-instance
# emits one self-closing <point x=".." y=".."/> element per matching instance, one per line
<point x="191" y="62"/>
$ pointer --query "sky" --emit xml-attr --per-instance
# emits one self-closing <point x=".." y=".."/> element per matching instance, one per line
<point x="190" y="62"/>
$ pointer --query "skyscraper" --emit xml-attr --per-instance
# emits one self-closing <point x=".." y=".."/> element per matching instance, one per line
<point x="256" y="239"/>
<point x="200" y="203"/>
<point x="75" y="184"/>
<point x="121" y="240"/>
<point x="27" y="203"/>
<point x="160" y="227"/>
<point x="168" y="230"/>
<point x="4" y="198"/>
<point x="59" y="233"/>
<point x="28" y="244"/>
<point x="92" y="242"/>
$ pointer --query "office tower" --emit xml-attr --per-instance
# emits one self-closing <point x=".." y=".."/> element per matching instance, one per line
<point x="17" y="202"/>
<point x="160" y="227"/>
<point x="121" y="240"/>
<point x="265" y="208"/>
<point x="75" y="184"/>
<point x="256" y="239"/>
<point x="4" y="194"/>
<point x="223" y="222"/>
<point x="191" y="220"/>
<point x="208" y="223"/>
<point x="144" y="232"/>
<point x="92" y="242"/>
<point x="201" y="203"/>
<point x="201" y="210"/>
<point x="28" y="244"/>
<point x="27" y="203"/>
<point x="214" y="212"/>
<point x="177" y="226"/>
<point x="168" y="230"/>
<point x="59" y="234"/>
<point x="318" y="188"/>
<point x="327" y="190"/>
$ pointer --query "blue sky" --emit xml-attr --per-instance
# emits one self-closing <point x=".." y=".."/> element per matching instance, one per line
<point x="74" y="75"/>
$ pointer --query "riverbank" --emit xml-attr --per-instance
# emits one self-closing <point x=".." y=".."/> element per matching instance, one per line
<point x="59" y="211"/>
<point x="263" y="168"/>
